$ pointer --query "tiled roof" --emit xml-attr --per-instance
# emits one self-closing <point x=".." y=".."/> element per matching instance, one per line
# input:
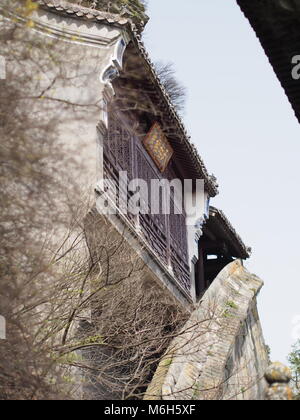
<point x="210" y="180"/>
<point x="277" y="26"/>
<point x="245" y="251"/>
<point x="69" y="9"/>
<point x="77" y="11"/>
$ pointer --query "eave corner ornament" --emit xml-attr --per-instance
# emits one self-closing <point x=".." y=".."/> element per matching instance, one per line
<point x="158" y="147"/>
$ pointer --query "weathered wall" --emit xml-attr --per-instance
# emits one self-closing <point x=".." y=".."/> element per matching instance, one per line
<point x="73" y="57"/>
<point x="89" y="52"/>
<point x="66" y="65"/>
<point x="247" y="361"/>
<point x="220" y="353"/>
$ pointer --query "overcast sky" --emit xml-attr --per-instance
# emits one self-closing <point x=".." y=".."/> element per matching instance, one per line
<point x="245" y="129"/>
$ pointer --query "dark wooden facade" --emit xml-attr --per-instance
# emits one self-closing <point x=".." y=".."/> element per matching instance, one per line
<point x="138" y="105"/>
<point x="165" y="234"/>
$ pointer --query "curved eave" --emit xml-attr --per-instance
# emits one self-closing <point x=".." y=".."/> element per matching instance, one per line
<point x="230" y="234"/>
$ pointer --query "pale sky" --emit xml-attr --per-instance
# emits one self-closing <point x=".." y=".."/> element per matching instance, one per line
<point x="246" y="132"/>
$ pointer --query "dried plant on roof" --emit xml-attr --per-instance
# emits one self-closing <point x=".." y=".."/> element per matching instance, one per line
<point x="175" y="90"/>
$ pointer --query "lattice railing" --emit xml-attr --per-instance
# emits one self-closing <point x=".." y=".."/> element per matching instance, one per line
<point x="165" y="234"/>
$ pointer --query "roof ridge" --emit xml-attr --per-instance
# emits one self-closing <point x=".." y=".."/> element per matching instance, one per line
<point x="82" y="11"/>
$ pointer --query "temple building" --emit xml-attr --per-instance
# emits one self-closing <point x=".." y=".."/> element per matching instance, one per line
<point x="137" y="119"/>
<point x="193" y="257"/>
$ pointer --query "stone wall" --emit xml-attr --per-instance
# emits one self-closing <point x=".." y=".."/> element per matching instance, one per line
<point x="247" y="362"/>
<point x="278" y="378"/>
<point x="220" y="353"/>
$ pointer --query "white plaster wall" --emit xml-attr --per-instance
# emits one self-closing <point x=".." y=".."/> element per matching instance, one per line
<point x="195" y="220"/>
<point x="68" y="77"/>
<point x="89" y="49"/>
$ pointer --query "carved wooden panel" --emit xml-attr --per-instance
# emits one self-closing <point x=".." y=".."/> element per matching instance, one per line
<point x="118" y="150"/>
<point x="117" y="145"/>
<point x="179" y="247"/>
<point x="153" y="225"/>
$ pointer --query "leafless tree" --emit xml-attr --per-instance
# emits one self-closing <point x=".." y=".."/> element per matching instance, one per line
<point x="79" y="323"/>
<point x="34" y="200"/>
<point x="51" y="281"/>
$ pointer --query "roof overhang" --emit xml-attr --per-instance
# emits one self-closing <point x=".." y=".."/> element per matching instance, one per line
<point x="221" y="232"/>
<point x="277" y="26"/>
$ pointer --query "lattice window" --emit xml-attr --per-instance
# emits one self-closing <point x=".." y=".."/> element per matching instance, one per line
<point x="117" y="145"/>
<point x="166" y="234"/>
<point x="153" y="225"/>
<point x="179" y="246"/>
